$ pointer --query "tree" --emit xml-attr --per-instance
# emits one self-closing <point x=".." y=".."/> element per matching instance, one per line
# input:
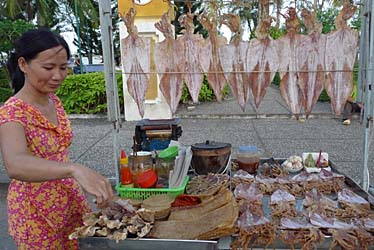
<point x="252" y="11"/>
<point x="30" y="10"/>
<point x="60" y="15"/>
<point x="90" y="33"/>
<point x="182" y="8"/>
<point x="9" y="32"/>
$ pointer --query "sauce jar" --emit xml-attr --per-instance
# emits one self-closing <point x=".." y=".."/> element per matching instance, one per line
<point x="165" y="164"/>
<point x="140" y="162"/>
<point x="248" y="158"/>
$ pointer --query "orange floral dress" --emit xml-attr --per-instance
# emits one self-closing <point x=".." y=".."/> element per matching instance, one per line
<point x="42" y="215"/>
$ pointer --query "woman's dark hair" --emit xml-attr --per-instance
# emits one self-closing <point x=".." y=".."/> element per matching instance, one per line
<point x="28" y="46"/>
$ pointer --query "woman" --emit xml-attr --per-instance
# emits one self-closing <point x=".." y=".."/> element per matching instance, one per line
<point x="45" y="200"/>
<point x="350" y="108"/>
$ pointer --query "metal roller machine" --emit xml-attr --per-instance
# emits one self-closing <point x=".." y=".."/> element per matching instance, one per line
<point x="156" y="134"/>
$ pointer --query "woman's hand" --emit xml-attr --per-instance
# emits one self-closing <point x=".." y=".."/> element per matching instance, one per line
<point x="93" y="183"/>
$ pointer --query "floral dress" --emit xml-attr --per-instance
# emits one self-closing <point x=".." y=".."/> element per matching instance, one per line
<point x="42" y="215"/>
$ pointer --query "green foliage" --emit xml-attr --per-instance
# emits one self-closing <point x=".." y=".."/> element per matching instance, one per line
<point x="85" y="93"/>
<point x="9" y="32"/>
<point x="39" y="11"/>
<point x="276" y="79"/>
<point x="4" y="78"/>
<point x="327" y="18"/>
<point x="206" y="93"/>
<point x="180" y="9"/>
<point x="276" y="33"/>
<point x="5" y="90"/>
<point x="323" y="97"/>
<point x="356" y="23"/>
<point x="5" y="93"/>
<point x="185" y="95"/>
<point x="355" y="80"/>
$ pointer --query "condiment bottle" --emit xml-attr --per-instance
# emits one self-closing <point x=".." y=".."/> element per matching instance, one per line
<point x="165" y="164"/>
<point x="126" y="177"/>
<point x="140" y="162"/>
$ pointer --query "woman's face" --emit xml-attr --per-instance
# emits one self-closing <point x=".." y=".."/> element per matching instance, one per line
<point x="46" y="72"/>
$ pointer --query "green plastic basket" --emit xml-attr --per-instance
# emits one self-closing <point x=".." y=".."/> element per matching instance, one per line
<point x="144" y="193"/>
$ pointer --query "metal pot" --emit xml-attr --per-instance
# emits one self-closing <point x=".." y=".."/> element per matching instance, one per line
<point x="210" y="157"/>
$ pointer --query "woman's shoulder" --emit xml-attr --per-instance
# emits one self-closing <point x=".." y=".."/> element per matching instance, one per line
<point x="11" y="104"/>
<point x="12" y="110"/>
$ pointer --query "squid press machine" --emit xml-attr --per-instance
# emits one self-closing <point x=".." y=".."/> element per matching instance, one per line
<point x="156" y="134"/>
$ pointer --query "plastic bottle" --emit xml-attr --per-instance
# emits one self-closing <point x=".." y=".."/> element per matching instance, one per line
<point x="126" y="177"/>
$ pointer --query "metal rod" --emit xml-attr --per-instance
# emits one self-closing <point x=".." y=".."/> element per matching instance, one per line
<point x="110" y="79"/>
<point x="362" y="55"/>
<point x="367" y="104"/>
<point x="241" y="72"/>
<point x="79" y="37"/>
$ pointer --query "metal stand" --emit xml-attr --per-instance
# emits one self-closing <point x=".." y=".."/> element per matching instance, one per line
<point x="110" y="77"/>
<point x="366" y="77"/>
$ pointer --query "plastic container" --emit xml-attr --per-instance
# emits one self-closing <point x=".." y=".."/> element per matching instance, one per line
<point x="248" y="158"/>
<point x="169" y="153"/>
<point x="126" y="176"/>
<point x="139" y="163"/>
<point x="147" y="179"/>
<point x="165" y="164"/>
<point x="144" y="193"/>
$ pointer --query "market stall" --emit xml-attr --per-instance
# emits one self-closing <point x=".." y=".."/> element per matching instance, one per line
<point x="302" y="202"/>
<point x="280" y="205"/>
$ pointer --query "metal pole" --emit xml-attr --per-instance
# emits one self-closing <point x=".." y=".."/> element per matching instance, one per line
<point x="89" y="55"/>
<point x="362" y="73"/>
<point x="110" y="78"/>
<point x="79" y="37"/>
<point x="367" y="105"/>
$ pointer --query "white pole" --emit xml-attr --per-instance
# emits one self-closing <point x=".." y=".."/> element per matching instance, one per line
<point x="363" y="57"/>
<point x="110" y="77"/>
<point x="367" y="105"/>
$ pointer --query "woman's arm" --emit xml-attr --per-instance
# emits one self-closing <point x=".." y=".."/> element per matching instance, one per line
<point x="20" y="164"/>
<point x="23" y="166"/>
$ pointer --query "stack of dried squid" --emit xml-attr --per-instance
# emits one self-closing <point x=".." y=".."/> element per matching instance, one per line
<point x="306" y="63"/>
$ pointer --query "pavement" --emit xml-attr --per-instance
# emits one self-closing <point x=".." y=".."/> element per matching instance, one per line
<point x="272" y="129"/>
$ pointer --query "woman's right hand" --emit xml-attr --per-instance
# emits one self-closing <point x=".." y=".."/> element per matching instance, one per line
<point x="93" y="183"/>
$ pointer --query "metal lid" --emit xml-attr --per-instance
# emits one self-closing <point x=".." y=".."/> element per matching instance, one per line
<point x="210" y="145"/>
<point x="142" y="153"/>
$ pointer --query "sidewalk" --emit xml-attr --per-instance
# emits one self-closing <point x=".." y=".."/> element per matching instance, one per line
<point x="274" y="132"/>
